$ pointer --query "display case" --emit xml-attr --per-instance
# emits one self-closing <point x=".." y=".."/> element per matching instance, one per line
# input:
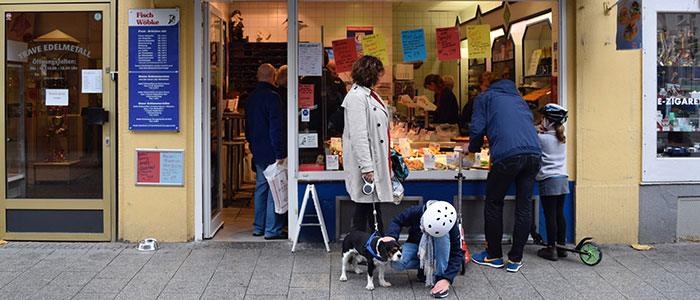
<point x="536" y="86"/>
<point x="503" y="57"/>
<point x="678" y="86"/>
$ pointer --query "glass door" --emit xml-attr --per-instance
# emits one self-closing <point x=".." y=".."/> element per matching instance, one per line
<point x="56" y="152"/>
<point x="213" y="106"/>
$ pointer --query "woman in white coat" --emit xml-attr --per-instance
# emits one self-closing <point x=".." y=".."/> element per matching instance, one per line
<point x="366" y="143"/>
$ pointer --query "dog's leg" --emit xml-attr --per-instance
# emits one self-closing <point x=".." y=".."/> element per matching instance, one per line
<point x="355" y="262"/>
<point x="370" y="272"/>
<point x="382" y="282"/>
<point x="346" y="257"/>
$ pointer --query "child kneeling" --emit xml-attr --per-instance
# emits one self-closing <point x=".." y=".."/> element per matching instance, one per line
<point x="438" y="253"/>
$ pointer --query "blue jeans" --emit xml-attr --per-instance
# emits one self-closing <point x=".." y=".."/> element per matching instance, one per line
<point x="266" y="220"/>
<point x="410" y="260"/>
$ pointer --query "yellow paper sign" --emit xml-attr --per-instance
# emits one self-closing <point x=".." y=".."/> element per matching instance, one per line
<point x="479" y="41"/>
<point x="374" y="45"/>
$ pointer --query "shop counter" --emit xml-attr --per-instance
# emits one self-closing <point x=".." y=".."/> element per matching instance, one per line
<point x="434" y="175"/>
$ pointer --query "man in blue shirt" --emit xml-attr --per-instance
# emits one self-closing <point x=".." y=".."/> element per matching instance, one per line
<point x="504" y="117"/>
<point x="263" y="131"/>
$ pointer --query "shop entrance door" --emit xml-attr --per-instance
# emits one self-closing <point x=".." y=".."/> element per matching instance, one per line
<point x="57" y="95"/>
<point x="213" y="98"/>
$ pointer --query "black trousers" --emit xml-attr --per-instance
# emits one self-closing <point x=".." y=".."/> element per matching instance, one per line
<point x="363" y="219"/>
<point x="521" y="170"/>
<point x="554" y="218"/>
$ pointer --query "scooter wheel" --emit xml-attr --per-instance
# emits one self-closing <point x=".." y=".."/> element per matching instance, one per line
<point x="593" y="254"/>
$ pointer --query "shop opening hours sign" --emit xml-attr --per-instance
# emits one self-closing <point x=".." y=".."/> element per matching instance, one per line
<point x="154" y="69"/>
<point x="160" y="167"/>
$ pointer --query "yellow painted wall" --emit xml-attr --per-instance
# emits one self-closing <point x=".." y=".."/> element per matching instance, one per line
<point x="165" y="213"/>
<point x="608" y="129"/>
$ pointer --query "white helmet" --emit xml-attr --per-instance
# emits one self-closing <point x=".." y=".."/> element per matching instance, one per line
<point x="438" y="218"/>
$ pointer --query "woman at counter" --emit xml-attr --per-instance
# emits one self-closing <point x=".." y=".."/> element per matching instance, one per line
<point x="366" y="144"/>
<point x="447" y="109"/>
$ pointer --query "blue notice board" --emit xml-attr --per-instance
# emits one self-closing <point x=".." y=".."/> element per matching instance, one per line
<point x="154" y="69"/>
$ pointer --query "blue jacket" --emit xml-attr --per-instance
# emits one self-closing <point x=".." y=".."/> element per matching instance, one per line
<point x="448" y="111"/>
<point x="263" y="125"/>
<point x="505" y="118"/>
<point x="411" y="218"/>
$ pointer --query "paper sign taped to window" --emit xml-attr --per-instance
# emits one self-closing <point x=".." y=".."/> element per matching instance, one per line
<point x="56" y="97"/>
<point x="91" y="81"/>
<point x="332" y="163"/>
<point x="306" y="95"/>
<point x="308" y="140"/>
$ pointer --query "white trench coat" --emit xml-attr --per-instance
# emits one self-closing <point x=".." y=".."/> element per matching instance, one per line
<point x="366" y="145"/>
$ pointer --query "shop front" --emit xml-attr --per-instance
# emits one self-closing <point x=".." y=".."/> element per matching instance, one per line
<point x="58" y="119"/>
<point x="522" y="44"/>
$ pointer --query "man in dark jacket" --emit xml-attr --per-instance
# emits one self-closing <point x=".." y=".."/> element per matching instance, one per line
<point x="504" y="117"/>
<point x="448" y="251"/>
<point x="263" y="131"/>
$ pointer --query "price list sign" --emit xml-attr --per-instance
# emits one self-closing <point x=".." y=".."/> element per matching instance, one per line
<point x="154" y="70"/>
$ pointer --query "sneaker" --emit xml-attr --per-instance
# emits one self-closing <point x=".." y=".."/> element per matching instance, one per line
<point x="442" y="295"/>
<point x="561" y="252"/>
<point x="484" y="259"/>
<point x="514" y="266"/>
<point x="548" y="253"/>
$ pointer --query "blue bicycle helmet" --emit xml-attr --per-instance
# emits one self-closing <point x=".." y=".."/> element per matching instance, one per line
<point x="554" y="113"/>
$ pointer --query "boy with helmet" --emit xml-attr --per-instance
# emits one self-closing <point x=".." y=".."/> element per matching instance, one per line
<point x="553" y="179"/>
<point x="433" y="244"/>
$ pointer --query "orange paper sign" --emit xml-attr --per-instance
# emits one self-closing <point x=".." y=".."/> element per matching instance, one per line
<point x="448" y="43"/>
<point x="345" y="54"/>
<point x="306" y="96"/>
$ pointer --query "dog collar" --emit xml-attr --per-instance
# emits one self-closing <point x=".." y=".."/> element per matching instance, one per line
<point x="368" y="245"/>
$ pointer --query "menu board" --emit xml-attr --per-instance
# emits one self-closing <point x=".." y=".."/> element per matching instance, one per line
<point x="479" y="41"/>
<point x="160" y="167"/>
<point x="413" y="45"/>
<point x="448" y="43"/>
<point x="345" y="54"/>
<point x="154" y="69"/>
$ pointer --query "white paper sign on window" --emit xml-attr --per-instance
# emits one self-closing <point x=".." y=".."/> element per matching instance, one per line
<point x="92" y="81"/>
<point x="56" y="97"/>
<point x="310" y="59"/>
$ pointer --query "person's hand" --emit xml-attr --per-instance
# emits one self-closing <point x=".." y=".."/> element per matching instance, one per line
<point x="388" y="239"/>
<point x="440" y="287"/>
<point x="281" y="161"/>
<point x="369" y="176"/>
<point x="540" y="128"/>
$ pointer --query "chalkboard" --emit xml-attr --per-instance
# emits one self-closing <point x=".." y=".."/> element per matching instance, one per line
<point x="160" y="167"/>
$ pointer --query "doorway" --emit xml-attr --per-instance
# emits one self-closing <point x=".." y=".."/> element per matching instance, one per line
<point x="228" y="182"/>
<point x="57" y="153"/>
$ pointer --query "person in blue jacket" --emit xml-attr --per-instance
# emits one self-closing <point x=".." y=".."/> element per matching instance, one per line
<point x="264" y="134"/>
<point x="504" y="117"/>
<point x="432" y="240"/>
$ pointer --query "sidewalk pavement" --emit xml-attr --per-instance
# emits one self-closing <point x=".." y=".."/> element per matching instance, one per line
<point x="216" y="270"/>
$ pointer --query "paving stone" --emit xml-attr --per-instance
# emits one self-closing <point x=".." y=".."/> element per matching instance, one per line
<point x="179" y="296"/>
<point x="21" y="283"/>
<point x="186" y="286"/>
<point x="603" y="296"/>
<point x="16" y="265"/>
<point x="475" y="291"/>
<point x="310" y="281"/>
<point x="56" y="291"/>
<point x="94" y="296"/>
<point x="73" y="278"/>
<point x="186" y="272"/>
<point x="118" y="271"/>
<point x="171" y="255"/>
<point x="104" y="285"/>
<point x="223" y="292"/>
<point x="266" y="297"/>
<point x="141" y="295"/>
<point x="307" y="293"/>
<point x="683" y="295"/>
<point x="691" y="278"/>
<point x="586" y="284"/>
<point x="227" y="278"/>
<point x="267" y="287"/>
<point x="667" y="282"/>
<point x="640" y="291"/>
<point x="7" y="277"/>
<point x="15" y="295"/>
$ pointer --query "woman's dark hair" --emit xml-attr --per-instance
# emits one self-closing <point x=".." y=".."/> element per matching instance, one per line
<point x="366" y="71"/>
<point x="434" y="78"/>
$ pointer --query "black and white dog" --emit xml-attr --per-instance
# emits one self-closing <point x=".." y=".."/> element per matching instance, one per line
<point x="361" y="246"/>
